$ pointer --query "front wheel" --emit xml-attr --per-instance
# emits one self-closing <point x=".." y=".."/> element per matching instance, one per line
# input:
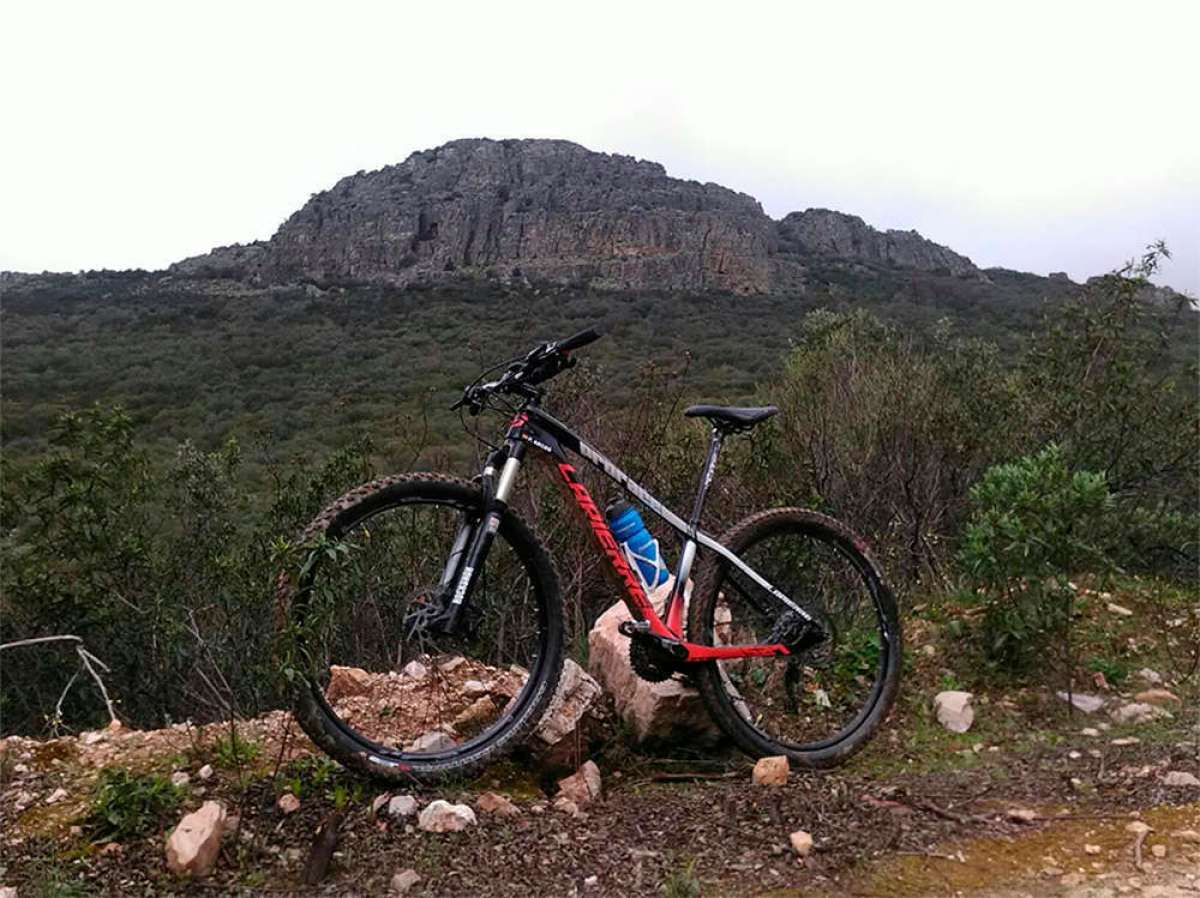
<point x="823" y="702"/>
<point x="382" y="688"/>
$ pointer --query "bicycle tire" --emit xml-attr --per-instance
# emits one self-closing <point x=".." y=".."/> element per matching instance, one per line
<point x="361" y="754"/>
<point x="701" y="625"/>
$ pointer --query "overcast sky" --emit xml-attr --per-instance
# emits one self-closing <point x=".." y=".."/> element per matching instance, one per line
<point x="1041" y="136"/>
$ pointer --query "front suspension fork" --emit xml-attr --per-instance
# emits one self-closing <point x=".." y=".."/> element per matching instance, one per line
<point x="463" y="569"/>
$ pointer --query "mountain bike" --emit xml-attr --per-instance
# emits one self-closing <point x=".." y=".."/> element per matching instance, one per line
<point x="438" y="641"/>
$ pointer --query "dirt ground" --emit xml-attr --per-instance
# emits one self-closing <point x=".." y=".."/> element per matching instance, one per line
<point x="664" y="826"/>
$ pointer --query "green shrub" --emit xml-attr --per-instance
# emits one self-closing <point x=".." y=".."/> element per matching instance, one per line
<point x="128" y="805"/>
<point x="1033" y="523"/>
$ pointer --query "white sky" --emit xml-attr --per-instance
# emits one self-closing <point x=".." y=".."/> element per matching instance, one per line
<point x="1040" y="136"/>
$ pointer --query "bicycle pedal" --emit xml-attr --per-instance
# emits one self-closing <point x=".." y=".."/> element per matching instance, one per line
<point x="633" y="627"/>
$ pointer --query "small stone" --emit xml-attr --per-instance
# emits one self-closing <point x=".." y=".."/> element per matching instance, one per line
<point x="929" y="651"/>
<point x="802" y="843"/>
<point x="415" y="670"/>
<point x="771" y="771"/>
<point x="1125" y="741"/>
<point x="401" y="806"/>
<point x="442" y="817"/>
<point x="92" y="737"/>
<point x="1119" y="610"/>
<point x="346" y="681"/>
<point x="954" y="711"/>
<point x="494" y="803"/>
<point x="1082" y="701"/>
<point x="205" y="772"/>
<point x="1180" y="778"/>
<point x="1137" y="827"/>
<point x="1187" y="835"/>
<point x="20" y="769"/>
<point x="433" y="741"/>
<point x="288" y="803"/>
<point x="1159" y="851"/>
<point x="1073" y="879"/>
<point x="566" y="806"/>
<point x="1092" y="849"/>
<point x="1021" y="815"/>
<point x="8" y="892"/>
<point x="405" y="880"/>
<point x="583" y="785"/>
<point x="1136" y="712"/>
<point x="378" y="803"/>
<point x="591" y="882"/>
<point x="1052" y="871"/>
<point x="476" y="716"/>
<point x="179" y="779"/>
<point x="1074" y="755"/>
<point x="194" y="844"/>
<point x="1157" y="697"/>
<point x="452" y="665"/>
<point x="1146" y="675"/>
<point x="1090" y="732"/>
<point x="57" y="795"/>
<point x="473" y="688"/>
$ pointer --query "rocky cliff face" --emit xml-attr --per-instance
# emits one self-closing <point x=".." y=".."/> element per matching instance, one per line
<point x="542" y="209"/>
<point x="554" y="211"/>
<point x="823" y="232"/>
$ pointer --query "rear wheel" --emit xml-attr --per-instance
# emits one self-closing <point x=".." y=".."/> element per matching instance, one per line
<point x="820" y="704"/>
<point x="382" y="690"/>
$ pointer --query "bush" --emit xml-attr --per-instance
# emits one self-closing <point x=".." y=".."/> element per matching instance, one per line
<point x="1033" y="523"/>
<point x="128" y="805"/>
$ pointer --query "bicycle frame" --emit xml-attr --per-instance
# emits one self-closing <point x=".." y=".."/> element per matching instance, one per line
<point x="534" y="427"/>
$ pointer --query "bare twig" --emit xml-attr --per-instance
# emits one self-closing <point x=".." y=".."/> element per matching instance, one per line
<point x="89" y="661"/>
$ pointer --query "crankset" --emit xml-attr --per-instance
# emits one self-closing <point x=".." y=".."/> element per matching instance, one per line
<point x="653" y="658"/>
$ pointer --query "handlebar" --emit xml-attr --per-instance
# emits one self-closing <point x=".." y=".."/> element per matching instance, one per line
<point x="543" y="362"/>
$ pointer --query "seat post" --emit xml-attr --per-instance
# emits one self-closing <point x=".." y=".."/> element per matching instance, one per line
<point x="673" y="611"/>
<point x="706" y="476"/>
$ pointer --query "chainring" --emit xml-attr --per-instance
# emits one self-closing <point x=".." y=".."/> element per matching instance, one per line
<point x="649" y="661"/>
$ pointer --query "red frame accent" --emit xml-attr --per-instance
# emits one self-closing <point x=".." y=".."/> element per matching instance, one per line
<point x="636" y="598"/>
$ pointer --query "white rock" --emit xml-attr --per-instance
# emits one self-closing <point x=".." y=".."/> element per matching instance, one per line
<point x="452" y="665"/>
<point x="401" y="806"/>
<point x="194" y="844"/>
<point x="474" y="688"/>
<point x="20" y="769"/>
<point x="1082" y="701"/>
<point x="1119" y="610"/>
<point x="771" y="771"/>
<point x="405" y="880"/>
<point x="663" y="712"/>
<point x="1180" y="778"/>
<point x="954" y="711"/>
<point x="802" y="842"/>
<point x="442" y="817"/>
<point x="1137" y="712"/>
<point x="415" y="670"/>
<point x="433" y="741"/>
<point x="378" y="803"/>
<point x="205" y="772"/>
<point x="1021" y="815"/>
<point x="1124" y="741"/>
<point x="57" y="795"/>
<point x="8" y="892"/>
<point x="288" y="803"/>
<point x="583" y="785"/>
<point x="92" y="737"/>
<point x="1092" y="849"/>
<point x="1150" y="677"/>
<point x="591" y="881"/>
<point x="179" y="779"/>
<point x="577" y="693"/>
<point x="1090" y="732"/>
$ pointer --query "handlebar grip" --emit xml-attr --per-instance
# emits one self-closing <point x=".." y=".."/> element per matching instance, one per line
<point x="583" y="338"/>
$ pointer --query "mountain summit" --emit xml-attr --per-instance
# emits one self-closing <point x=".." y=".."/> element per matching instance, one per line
<point x="551" y="210"/>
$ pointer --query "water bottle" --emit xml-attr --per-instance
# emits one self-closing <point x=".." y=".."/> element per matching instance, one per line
<point x="640" y="548"/>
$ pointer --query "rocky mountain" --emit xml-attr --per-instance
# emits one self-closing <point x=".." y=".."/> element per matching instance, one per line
<point x="553" y="211"/>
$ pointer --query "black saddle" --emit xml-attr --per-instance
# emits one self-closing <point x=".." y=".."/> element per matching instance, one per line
<point x="729" y="418"/>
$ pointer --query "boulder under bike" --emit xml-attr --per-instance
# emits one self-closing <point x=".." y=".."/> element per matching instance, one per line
<point x="429" y="618"/>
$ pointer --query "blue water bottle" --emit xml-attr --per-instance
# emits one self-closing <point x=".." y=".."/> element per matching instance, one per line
<point x="641" y="549"/>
